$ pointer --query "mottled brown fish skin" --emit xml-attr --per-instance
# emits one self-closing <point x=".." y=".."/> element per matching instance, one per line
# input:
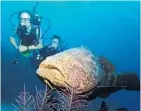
<point x="76" y="68"/>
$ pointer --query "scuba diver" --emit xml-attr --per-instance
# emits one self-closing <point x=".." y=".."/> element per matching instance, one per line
<point x="52" y="48"/>
<point x="28" y="33"/>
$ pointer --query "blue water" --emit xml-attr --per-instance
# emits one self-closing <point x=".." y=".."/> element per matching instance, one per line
<point x="110" y="29"/>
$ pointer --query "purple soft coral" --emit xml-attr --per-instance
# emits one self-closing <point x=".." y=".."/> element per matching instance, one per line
<point x="71" y="101"/>
<point x="25" y="101"/>
<point x="48" y="100"/>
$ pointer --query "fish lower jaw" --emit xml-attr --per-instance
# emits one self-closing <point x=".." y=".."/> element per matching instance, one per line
<point x="40" y="73"/>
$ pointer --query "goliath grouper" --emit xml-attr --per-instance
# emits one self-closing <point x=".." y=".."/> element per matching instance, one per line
<point x="81" y="70"/>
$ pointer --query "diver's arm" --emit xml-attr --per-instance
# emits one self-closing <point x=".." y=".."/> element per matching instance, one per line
<point x="15" y="39"/>
<point x="23" y="48"/>
<point x="33" y="47"/>
<point x="13" y="42"/>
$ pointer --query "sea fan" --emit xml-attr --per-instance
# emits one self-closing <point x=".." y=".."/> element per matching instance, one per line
<point x="25" y="101"/>
<point x="64" y="100"/>
<point x="48" y="100"/>
<point x="70" y="101"/>
<point x="41" y="99"/>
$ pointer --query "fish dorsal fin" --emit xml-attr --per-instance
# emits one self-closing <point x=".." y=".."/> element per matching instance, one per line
<point x="106" y="65"/>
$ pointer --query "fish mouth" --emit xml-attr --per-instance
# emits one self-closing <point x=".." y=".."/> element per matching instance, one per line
<point x="52" y="67"/>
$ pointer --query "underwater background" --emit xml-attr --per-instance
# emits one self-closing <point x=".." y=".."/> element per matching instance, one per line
<point x="110" y="29"/>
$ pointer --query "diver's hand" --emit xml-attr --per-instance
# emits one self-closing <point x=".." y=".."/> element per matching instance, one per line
<point x="23" y="48"/>
<point x="33" y="47"/>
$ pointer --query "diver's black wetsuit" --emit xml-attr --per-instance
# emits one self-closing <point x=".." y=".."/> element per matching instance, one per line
<point x="48" y="51"/>
<point x="43" y="53"/>
<point x="28" y="39"/>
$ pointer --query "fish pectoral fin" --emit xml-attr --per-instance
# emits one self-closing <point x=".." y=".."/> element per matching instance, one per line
<point x="13" y="42"/>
